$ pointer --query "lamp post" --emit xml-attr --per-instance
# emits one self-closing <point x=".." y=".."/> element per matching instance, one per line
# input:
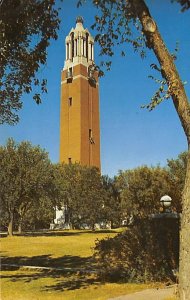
<point x="166" y="203"/>
<point x="167" y="212"/>
<point x="165" y="225"/>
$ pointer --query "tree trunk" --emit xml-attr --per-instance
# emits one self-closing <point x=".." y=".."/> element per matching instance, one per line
<point x="10" y="226"/>
<point x="112" y="224"/>
<point x="184" y="270"/>
<point x="93" y="227"/>
<point x="20" y="227"/>
<point x="21" y="211"/>
<point x="182" y="106"/>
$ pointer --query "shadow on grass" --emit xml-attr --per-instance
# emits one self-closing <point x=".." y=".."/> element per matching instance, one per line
<point x="73" y="272"/>
<point x="66" y="261"/>
<point x="3" y="234"/>
<point x="59" y="233"/>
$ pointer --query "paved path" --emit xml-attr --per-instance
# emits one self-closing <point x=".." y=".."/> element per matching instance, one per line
<point x="50" y="268"/>
<point x="150" y="294"/>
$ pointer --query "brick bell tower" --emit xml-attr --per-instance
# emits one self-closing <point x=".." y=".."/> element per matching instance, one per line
<point x="79" y="117"/>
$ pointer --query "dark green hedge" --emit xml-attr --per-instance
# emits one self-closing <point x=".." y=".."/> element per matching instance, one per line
<point x="148" y="251"/>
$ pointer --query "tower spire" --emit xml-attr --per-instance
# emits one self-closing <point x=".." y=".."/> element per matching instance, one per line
<point x="79" y="46"/>
<point x="79" y="19"/>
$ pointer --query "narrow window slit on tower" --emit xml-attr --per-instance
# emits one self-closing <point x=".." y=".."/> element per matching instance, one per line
<point x="69" y="75"/>
<point x="76" y="50"/>
<point x="90" y="133"/>
<point x="87" y="45"/>
<point x="70" y="101"/>
<point x="72" y="45"/>
<point x="83" y="47"/>
<point x="70" y="72"/>
<point x="91" y="137"/>
<point x="91" y="51"/>
<point x="70" y="160"/>
<point x="67" y="51"/>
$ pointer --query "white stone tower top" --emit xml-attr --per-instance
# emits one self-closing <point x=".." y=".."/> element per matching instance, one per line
<point x="79" y="46"/>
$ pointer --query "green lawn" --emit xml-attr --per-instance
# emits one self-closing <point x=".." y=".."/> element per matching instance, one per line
<point x="70" y="253"/>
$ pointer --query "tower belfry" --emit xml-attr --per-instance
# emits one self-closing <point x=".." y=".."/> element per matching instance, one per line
<point x="79" y="117"/>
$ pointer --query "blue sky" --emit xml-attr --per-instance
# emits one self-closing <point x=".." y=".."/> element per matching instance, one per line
<point x="130" y="136"/>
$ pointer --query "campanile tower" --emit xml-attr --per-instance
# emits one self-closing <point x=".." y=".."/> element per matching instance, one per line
<point x="79" y="117"/>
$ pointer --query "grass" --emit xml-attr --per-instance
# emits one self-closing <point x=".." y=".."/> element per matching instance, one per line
<point x="69" y="250"/>
<point x="25" y="285"/>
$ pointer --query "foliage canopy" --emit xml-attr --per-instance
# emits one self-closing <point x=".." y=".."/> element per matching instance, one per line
<point x="26" y="30"/>
<point x="24" y="178"/>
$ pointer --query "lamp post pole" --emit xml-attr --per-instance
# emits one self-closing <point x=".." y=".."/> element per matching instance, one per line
<point x="168" y="223"/>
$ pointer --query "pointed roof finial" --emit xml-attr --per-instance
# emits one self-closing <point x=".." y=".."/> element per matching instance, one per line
<point x="79" y="19"/>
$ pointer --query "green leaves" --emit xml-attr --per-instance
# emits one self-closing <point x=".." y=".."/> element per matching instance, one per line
<point x="81" y="189"/>
<point x="25" y="171"/>
<point x="30" y="183"/>
<point x="26" y="29"/>
<point x="163" y="92"/>
<point x="142" y="188"/>
<point x="148" y="251"/>
<point x="185" y="4"/>
<point x="116" y="24"/>
<point x="177" y="171"/>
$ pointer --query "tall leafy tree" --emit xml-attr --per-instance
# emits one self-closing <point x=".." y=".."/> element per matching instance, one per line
<point x="67" y="182"/>
<point x="80" y="190"/>
<point x="130" y="21"/>
<point x="24" y="178"/>
<point x="39" y="212"/>
<point x="141" y="189"/>
<point x="92" y="196"/>
<point x="112" y="207"/>
<point x="26" y="28"/>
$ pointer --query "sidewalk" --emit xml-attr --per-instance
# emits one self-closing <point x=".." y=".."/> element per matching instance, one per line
<point x="150" y="294"/>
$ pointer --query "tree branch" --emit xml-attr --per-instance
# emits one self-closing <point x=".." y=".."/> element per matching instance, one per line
<point x="168" y="69"/>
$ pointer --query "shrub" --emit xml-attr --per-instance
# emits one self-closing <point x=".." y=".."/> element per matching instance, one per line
<point x="148" y="251"/>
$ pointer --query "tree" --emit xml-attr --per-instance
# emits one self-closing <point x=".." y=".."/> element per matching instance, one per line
<point x="116" y="22"/>
<point x="40" y="212"/>
<point x="147" y="251"/>
<point x="24" y="179"/>
<point x="141" y="189"/>
<point x="26" y="30"/>
<point x="80" y="191"/>
<point x="92" y="197"/>
<point x="177" y="170"/>
<point x="39" y="215"/>
<point x="113" y="210"/>
<point x="67" y="182"/>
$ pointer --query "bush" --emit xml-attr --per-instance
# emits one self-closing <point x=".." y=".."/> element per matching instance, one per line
<point x="148" y="251"/>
